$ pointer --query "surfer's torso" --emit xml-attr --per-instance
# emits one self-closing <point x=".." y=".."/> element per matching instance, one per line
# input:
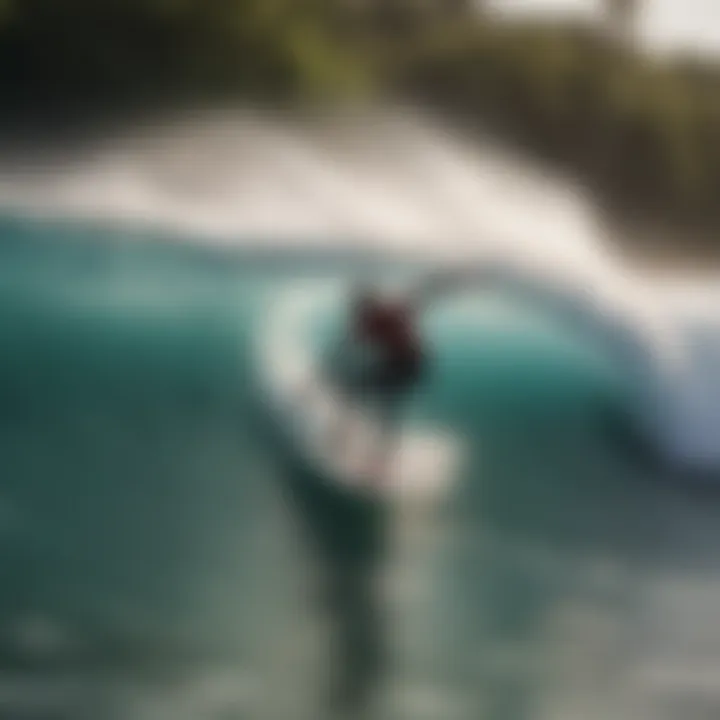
<point x="390" y="329"/>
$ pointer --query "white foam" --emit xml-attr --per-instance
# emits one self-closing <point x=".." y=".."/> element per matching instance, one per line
<point x="389" y="180"/>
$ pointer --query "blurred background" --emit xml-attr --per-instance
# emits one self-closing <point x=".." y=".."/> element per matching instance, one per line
<point x="176" y="175"/>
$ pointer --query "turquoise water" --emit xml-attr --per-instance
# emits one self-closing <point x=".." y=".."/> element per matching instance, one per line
<point x="149" y="512"/>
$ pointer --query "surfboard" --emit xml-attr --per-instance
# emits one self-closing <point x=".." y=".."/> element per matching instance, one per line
<point x="302" y="400"/>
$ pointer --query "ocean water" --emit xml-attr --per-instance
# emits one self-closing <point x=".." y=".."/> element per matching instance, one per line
<point x="147" y="519"/>
<point x="165" y="546"/>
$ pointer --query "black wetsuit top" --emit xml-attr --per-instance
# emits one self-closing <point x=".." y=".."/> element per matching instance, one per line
<point x="390" y="328"/>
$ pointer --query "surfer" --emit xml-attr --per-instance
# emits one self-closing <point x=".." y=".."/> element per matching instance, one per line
<point x="383" y="356"/>
<point x="381" y="362"/>
<point x="381" y="359"/>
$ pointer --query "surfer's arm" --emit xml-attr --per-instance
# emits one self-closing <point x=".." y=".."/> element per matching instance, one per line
<point x="437" y="283"/>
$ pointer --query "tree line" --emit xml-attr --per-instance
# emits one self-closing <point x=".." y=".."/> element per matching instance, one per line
<point x="644" y="132"/>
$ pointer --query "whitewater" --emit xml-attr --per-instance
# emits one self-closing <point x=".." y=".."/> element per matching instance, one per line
<point x="158" y="281"/>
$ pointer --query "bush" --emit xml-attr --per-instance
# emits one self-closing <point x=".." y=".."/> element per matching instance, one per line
<point x="644" y="133"/>
<point x="63" y="49"/>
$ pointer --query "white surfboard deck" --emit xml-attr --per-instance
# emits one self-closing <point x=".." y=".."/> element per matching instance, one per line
<point x="423" y="461"/>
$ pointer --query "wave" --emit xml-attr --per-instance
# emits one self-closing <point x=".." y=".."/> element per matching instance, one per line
<point x="661" y="381"/>
<point x="395" y="182"/>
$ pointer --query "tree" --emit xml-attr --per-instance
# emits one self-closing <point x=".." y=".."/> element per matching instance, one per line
<point x="622" y="18"/>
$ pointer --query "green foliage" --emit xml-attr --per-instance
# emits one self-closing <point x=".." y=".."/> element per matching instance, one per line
<point x="6" y="9"/>
<point x="644" y="133"/>
<point x="274" y="48"/>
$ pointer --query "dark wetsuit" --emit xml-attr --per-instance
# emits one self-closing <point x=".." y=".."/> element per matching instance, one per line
<point x="386" y="379"/>
<point x="390" y="330"/>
